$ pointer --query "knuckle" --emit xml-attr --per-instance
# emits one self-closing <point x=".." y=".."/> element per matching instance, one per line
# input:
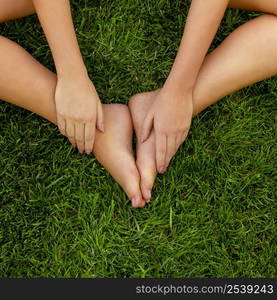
<point x="89" y="119"/>
<point x="61" y="124"/>
<point x="186" y="127"/>
<point x="89" y="140"/>
<point x="168" y="157"/>
<point x="160" y="130"/>
<point x="79" y="140"/>
<point x="184" y="136"/>
<point x="161" y="150"/>
<point x="161" y="155"/>
<point x="83" y="118"/>
<point x="185" y="130"/>
<point x="78" y="119"/>
<point x="90" y="134"/>
<point x="60" y="114"/>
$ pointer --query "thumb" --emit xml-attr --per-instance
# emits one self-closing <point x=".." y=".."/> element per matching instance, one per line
<point x="147" y="127"/>
<point x="100" y="117"/>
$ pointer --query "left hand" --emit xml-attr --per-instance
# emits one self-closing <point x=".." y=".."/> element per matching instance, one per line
<point x="170" y="115"/>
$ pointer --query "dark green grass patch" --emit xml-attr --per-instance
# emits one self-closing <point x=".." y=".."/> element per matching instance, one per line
<point x="212" y="213"/>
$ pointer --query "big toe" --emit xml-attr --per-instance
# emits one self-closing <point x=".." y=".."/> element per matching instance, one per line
<point x="132" y="188"/>
<point x="148" y="174"/>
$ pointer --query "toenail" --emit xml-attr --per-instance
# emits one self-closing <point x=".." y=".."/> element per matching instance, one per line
<point x="138" y="201"/>
<point x="148" y="194"/>
<point x="135" y="201"/>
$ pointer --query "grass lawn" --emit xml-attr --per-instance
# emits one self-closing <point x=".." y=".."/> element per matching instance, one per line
<point x="213" y="212"/>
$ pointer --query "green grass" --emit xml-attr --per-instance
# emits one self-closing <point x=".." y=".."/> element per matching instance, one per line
<point x="213" y="212"/>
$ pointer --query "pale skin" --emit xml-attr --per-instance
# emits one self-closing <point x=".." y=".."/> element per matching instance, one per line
<point x="171" y="112"/>
<point x="232" y="66"/>
<point x="78" y="107"/>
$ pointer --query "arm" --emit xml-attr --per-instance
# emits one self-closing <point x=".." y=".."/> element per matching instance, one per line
<point x="78" y="106"/>
<point x="56" y="21"/>
<point x="171" y="112"/>
<point x="202" y="24"/>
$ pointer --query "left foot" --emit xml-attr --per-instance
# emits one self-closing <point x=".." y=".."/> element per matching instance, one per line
<point x="113" y="149"/>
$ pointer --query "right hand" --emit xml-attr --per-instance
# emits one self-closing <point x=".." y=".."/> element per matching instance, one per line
<point x="170" y="117"/>
<point x="79" y="111"/>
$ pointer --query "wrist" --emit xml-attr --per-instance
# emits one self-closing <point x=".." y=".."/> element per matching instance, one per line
<point x="180" y="88"/>
<point x="73" y="73"/>
<point x="179" y="84"/>
<point x="72" y="65"/>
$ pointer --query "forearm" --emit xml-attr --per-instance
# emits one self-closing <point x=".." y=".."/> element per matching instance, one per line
<point x="202" y="24"/>
<point x="56" y="21"/>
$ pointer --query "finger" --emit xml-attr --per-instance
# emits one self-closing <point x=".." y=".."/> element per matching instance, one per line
<point x="100" y="118"/>
<point x="180" y="139"/>
<point x="161" y="142"/>
<point x="170" y="149"/>
<point x="184" y="136"/>
<point x="61" y="124"/>
<point x="72" y="141"/>
<point x="147" y="127"/>
<point x="70" y="131"/>
<point x="177" y="141"/>
<point x="89" y="137"/>
<point x="80" y="136"/>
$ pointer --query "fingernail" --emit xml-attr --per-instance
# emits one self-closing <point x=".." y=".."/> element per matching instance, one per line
<point x="162" y="170"/>
<point x="102" y="127"/>
<point x="88" y="152"/>
<point x="142" y="139"/>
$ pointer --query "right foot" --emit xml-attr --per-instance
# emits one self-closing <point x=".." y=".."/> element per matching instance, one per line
<point x="145" y="152"/>
<point x="113" y="149"/>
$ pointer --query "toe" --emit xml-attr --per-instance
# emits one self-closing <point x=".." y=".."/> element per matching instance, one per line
<point x="132" y="188"/>
<point x="146" y="189"/>
<point x="138" y="202"/>
<point x="147" y="178"/>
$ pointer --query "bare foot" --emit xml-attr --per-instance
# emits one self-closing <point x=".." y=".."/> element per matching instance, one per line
<point x="146" y="162"/>
<point x="113" y="149"/>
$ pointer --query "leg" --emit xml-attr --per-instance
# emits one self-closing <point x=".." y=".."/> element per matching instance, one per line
<point x="26" y="83"/>
<point x="232" y="66"/>
<point x="238" y="62"/>
<point x="265" y="6"/>
<point x="14" y="9"/>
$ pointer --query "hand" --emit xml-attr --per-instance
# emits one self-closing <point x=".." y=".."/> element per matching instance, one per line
<point x="79" y="111"/>
<point x="170" y="115"/>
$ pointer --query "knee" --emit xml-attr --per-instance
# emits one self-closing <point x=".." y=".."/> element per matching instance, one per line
<point x="271" y="21"/>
